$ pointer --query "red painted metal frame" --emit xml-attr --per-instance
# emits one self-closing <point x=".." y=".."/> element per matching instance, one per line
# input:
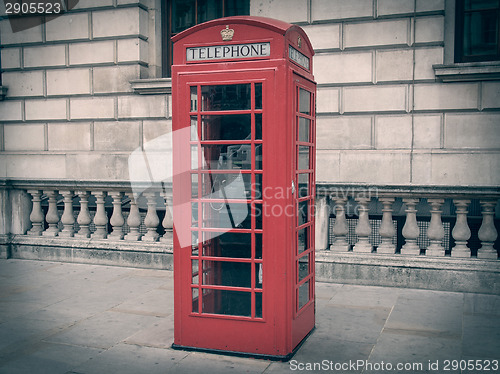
<point x="282" y="326"/>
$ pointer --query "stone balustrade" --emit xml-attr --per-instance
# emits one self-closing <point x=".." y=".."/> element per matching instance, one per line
<point x="433" y="223"/>
<point x="100" y="214"/>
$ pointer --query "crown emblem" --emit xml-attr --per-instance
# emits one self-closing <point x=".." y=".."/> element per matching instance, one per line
<point x="227" y="33"/>
<point x="299" y="42"/>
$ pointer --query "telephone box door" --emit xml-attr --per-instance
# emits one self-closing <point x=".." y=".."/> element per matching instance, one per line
<point x="230" y="294"/>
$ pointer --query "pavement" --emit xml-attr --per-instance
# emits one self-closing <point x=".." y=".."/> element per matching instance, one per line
<point x="81" y="319"/>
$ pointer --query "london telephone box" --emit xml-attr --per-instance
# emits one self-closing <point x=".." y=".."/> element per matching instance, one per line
<point x="243" y="187"/>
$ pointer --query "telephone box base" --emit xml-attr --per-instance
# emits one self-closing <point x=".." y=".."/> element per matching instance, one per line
<point x="284" y="358"/>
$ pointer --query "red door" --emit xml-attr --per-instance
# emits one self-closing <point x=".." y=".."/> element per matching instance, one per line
<point x="227" y="298"/>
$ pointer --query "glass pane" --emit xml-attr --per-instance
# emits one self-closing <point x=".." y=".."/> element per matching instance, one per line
<point x="194" y="157"/>
<point x="226" y="97"/>
<point x="227" y="156"/>
<point x="258" y="186"/>
<point x="195" y="271"/>
<point x="208" y="10"/>
<point x="480" y="33"/>
<point x="303" y="240"/>
<point x="303" y="267"/>
<point x="258" y="156"/>
<point x="303" y="157"/>
<point x="194" y="214"/>
<point x="258" y="276"/>
<point x="194" y="99"/>
<point x="226" y="215"/>
<point x="480" y="4"/>
<point x="194" y="128"/>
<point x="194" y="243"/>
<point x="303" y="294"/>
<point x="258" y="213"/>
<point x="258" y="126"/>
<point x="227" y="186"/>
<point x="195" y="300"/>
<point x="304" y="125"/>
<point x="303" y="185"/>
<point x="236" y="8"/>
<point x="258" y="305"/>
<point x="184" y="15"/>
<point x="258" y="95"/>
<point x="226" y="127"/>
<point x="234" y="303"/>
<point x="230" y="274"/>
<point x="227" y="244"/>
<point x="258" y="246"/>
<point x="304" y="101"/>
<point x="302" y="213"/>
<point x="194" y="185"/>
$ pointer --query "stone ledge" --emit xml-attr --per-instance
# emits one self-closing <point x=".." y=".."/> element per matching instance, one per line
<point x="138" y="254"/>
<point x="473" y="71"/>
<point x="152" y="86"/>
<point x="440" y="274"/>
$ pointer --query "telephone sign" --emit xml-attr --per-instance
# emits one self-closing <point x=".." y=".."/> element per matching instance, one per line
<point x="243" y="187"/>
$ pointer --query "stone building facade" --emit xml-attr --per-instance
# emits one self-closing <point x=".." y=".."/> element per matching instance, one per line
<point x="408" y="140"/>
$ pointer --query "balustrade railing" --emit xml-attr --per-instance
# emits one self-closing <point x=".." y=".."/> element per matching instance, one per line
<point x="422" y="223"/>
<point x="432" y="222"/>
<point x="115" y="214"/>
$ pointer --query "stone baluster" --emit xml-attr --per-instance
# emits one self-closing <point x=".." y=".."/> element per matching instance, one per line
<point x="461" y="232"/>
<point x="168" y="222"/>
<point x="435" y="231"/>
<point x="322" y="223"/>
<point x="67" y="218"/>
<point x="117" y="221"/>
<point x="52" y="216"/>
<point x="340" y="229"/>
<point x="36" y="216"/>
<point x="387" y="229"/>
<point x="151" y="220"/>
<point x="410" y="228"/>
<point x="363" y="228"/>
<point x="83" y="218"/>
<point x="487" y="232"/>
<point x="100" y="218"/>
<point x="133" y="221"/>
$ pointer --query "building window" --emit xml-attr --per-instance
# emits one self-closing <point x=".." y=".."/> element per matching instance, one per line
<point x="477" y="30"/>
<point x="179" y="15"/>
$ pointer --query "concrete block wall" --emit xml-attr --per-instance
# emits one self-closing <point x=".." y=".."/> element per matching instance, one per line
<point x="383" y="117"/>
<point x="70" y="111"/>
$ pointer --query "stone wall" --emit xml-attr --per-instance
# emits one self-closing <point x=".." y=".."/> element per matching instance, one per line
<point x="383" y="116"/>
<point x="70" y="110"/>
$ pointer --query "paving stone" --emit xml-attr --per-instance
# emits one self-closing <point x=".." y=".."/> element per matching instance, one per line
<point x="403" y="347"/>
<point x="159" y="303"/>
<point x="481" y="304"/>
<point x="481" y="337"/>
<point x="365" y="296"/>
<point x="351" y="324"/>
<point x="103" y="330"/>
<point x="132" y="359"/>
<point x="217" y="364"/>
<point x="159" y="335"/>
<point x="430" y="313"/>
<point x="50" y="358"/>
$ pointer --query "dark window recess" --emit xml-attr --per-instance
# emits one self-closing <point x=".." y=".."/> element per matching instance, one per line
<point x="179" y="15"/>
<point x="477" y="30"/>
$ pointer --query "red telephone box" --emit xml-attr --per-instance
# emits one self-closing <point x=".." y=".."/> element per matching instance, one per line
<point x="243" y="187"/>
